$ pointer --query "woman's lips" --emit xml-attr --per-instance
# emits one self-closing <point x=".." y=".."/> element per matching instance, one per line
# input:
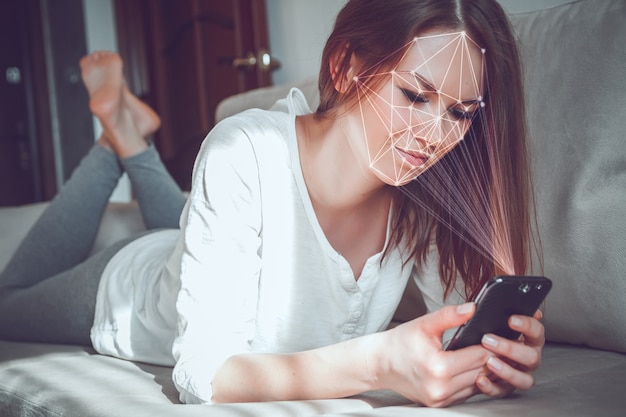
<point x="414" y="158"/>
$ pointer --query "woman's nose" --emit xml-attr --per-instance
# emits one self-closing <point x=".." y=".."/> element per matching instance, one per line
<point x="431" y="132"/>
<point x="443" y="129"/>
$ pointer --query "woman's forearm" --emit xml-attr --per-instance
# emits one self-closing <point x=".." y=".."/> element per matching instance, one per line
<point x="407" y="359"/>
<point x="333" y="371"/>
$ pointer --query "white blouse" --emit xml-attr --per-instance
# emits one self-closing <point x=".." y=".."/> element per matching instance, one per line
<point x="251" y="269"/>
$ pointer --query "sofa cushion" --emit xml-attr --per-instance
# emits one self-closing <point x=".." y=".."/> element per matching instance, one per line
<point x="60" y="380"/>
<point x="14" y="224"/>
<point x="57" y="380"/>
<point x="574" y="60"/>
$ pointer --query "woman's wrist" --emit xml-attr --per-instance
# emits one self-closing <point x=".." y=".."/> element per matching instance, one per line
<point x="374" y="355"/>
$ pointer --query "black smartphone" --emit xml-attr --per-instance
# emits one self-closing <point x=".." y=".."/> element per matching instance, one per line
<point x="499" y="299"/>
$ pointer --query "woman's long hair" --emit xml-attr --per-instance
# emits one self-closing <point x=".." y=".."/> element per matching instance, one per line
<point x="370" y="30"/>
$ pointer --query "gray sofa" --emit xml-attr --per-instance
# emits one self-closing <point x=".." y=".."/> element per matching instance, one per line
<point x="575" y="68"/>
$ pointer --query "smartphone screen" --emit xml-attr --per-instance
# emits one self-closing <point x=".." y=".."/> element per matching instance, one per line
<point x="499" y="299"/>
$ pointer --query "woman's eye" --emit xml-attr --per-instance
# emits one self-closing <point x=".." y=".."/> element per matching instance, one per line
<point x="413" y="97"/>
<point x="462" y="114"/>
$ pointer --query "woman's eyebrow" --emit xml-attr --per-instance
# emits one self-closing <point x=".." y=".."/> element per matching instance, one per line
<point x="420" y="79"/>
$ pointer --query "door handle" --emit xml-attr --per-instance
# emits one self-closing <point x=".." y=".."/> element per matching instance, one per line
<point x="262" y="59"/>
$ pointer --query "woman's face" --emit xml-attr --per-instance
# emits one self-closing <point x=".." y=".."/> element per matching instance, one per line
<point x="424" y="108"/>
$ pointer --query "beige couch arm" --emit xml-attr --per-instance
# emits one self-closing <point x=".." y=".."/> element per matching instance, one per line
<point x="264" y="98"/>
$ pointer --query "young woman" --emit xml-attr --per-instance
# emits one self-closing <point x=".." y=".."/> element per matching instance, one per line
<point x="302" y="229"/>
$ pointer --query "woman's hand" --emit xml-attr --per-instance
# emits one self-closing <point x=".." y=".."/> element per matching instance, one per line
<point x="409" y="360"/>
<point x="514" y="360"/>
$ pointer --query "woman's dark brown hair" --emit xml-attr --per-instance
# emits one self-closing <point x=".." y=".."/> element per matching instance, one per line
<point x="371" y="31"/>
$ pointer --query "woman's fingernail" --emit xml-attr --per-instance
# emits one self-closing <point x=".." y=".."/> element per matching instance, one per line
<point x="516" y="322"/>
<point x="464" y="308"/>
<point x="494" y="363"/>
<point x="490" y="341"/>
<point x="482" y="381"/>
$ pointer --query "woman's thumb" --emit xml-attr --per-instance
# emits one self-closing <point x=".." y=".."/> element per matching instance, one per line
<point x="448" y="317"/>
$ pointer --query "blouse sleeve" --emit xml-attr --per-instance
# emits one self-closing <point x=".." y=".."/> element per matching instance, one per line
<point x="219" y="263"/>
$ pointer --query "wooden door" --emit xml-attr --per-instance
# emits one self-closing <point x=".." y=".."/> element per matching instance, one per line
<point x="183" y="57"/>
<point x="18" y="178"/>
<point x="45" y="124"/>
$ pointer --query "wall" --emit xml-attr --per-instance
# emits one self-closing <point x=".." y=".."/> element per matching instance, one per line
<point x="299" y="28"/>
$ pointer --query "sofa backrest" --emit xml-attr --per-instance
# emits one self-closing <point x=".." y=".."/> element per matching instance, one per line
<point x="575" y="72"/>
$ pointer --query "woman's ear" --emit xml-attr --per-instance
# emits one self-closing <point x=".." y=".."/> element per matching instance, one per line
<point x="341" y="73"/>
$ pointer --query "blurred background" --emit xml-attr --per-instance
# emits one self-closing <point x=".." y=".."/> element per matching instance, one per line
<point x="181" y="56"/>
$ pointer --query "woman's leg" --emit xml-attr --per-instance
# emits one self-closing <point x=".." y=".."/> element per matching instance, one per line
<point x="160" y="199"/>
<point x="63" y="235"/>
<point x="44" y="295"/>
<point x="57" y="309"/>
<point x="47" y="293"/>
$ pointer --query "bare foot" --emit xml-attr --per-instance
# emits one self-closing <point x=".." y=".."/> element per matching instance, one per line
<point x="124" y="118"/>
<point x="145" y="118"/>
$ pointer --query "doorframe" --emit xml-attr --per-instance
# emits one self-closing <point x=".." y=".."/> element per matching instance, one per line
<point x="37" y="102"/>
